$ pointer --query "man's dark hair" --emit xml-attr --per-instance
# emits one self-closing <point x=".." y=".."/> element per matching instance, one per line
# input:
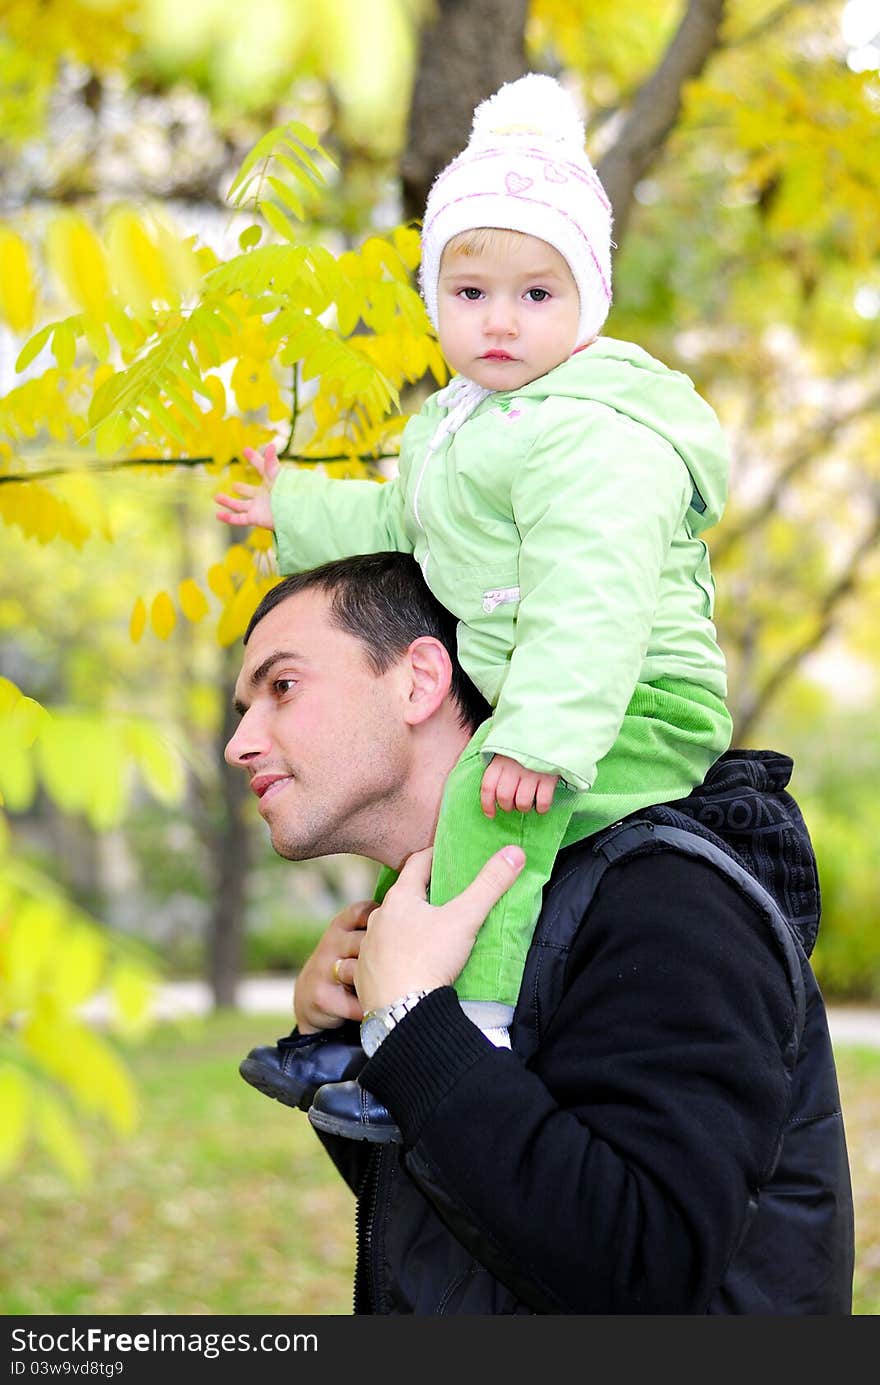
<point x="383" y="600"/>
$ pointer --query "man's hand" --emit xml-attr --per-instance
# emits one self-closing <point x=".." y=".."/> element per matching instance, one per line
<point x="411" y="945"/>
<point x="323" y="995"/>
<point x="252" y="505"/>
<point x="506" y="783"/>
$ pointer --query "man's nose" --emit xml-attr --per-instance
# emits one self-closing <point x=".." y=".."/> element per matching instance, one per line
<point x="247" y="742"/>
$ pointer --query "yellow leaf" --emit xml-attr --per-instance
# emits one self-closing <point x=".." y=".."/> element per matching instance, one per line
<point x="236" y="615"/>
<point x="238" y="561"/>
<point x="77" y="260"/>
<point x="193" y="601"/>
<point x="79" y="961"/>
<point x="17" y="778"/>
<point x="220" y="582"/>
<point x="59" y="1137"/>
<point x="97" y="1078"/>
<point x="137" y="267"/>
<point x="158" y="762"/>
<point x="18" y="294"/>
<point x="163" y="617"/>
<point x="14" y="1113"/>
<point x="138" y="621"/>
<point x="131" y="993"/>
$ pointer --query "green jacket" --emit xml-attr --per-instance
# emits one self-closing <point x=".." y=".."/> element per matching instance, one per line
<point x="561" y="525"/>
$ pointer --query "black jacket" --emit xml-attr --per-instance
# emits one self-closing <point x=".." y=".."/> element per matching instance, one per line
<point x="666" y="1137"/>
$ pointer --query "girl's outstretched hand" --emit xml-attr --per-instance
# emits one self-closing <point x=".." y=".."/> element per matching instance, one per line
<point x="251" y="505"/>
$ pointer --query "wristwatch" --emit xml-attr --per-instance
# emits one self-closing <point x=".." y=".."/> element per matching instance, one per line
<point x="377" y="1024"/>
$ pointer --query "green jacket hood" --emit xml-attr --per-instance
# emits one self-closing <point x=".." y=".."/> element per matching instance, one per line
<point x="635" y="384"/>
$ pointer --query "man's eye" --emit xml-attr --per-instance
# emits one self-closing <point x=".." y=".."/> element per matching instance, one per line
<point x="537" y="295"/>
<point x="471" y="294"/>
<point x="283" y="685"/>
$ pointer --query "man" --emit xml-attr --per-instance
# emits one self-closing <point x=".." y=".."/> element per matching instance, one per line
<point x="665" y="1136"/>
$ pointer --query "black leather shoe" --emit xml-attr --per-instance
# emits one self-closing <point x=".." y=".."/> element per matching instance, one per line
<point x="299" y="1064"/>
<point x="347" y="1108"/>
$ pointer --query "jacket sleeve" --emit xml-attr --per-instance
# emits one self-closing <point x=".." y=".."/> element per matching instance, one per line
<point x="321" y="518"/>
<point x="613" y="1173"/>
<point x="597" y="503"/>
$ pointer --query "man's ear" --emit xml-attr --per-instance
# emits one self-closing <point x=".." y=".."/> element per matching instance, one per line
<point x="428" y="673"/>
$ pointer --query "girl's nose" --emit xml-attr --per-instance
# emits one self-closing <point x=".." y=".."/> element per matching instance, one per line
<point x="501" y="319"/>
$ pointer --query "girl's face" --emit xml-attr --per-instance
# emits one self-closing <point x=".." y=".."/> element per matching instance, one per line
<point x="508" y="315"/>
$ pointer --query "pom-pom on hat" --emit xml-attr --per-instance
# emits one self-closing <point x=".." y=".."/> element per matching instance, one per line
<point x="525" y="169"/>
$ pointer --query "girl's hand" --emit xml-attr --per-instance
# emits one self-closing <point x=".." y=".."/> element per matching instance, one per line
<point x="506" y="783"/>
<point x="252" y="504"/>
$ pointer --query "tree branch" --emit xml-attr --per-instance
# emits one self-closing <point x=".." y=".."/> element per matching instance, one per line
<point x="819" y="439"/>
<point x="770" y="22"/>
<point x="22" y="477"/>
<point x="828" y="613"/>
<point x="656" y="107"/>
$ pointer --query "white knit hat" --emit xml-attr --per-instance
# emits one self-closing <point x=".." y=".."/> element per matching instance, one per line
<point x="525" y="170"/>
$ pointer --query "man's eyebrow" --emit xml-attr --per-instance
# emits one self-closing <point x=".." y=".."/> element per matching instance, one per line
<point x="262" y="670"/>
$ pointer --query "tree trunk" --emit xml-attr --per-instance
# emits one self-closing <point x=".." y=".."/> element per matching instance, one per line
<point x="466" y="52"/>
<point x="230" y="851"/>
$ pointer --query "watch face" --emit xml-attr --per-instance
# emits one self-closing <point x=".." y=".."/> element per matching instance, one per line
<point x="373" y="1032"/>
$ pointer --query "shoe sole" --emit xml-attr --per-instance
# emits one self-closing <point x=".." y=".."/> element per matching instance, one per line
<point x="258" y="1077"/>
<point x="354" y="1130"/>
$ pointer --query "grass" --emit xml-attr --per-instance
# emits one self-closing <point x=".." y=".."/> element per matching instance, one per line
<point x="224" y="1203"/>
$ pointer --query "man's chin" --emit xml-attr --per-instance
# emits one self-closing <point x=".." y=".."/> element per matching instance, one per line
<point x="300" y="848"/>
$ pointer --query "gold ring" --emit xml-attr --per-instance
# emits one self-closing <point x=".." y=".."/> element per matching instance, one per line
<point x="336" y="977"/>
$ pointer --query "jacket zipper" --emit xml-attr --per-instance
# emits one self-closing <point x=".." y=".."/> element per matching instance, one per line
<point x="365" y="1298"/>
<point x="499" y="596"/>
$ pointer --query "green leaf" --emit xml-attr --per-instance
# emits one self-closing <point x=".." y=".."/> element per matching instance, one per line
<point x="251" y="235"/>
<point x="289" y="198"/>
<point x="32" y="348"/>
<point x="111" y="435"/>
<point x="277" y="220"/>
<point x="64" y="345"/>
<point x="261" y="150"/>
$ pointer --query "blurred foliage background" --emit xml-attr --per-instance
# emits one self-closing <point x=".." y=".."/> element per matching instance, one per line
<point x="207" y="241"/>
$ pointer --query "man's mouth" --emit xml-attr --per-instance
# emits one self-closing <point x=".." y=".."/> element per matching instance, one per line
<point x="264" y="785"/>
<point x="496" y="356"/>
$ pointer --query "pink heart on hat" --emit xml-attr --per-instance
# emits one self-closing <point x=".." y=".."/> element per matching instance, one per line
<point x="554" y="174"/>
<point x="516" y="183"/>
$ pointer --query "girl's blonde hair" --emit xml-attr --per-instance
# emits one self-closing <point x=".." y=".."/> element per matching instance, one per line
<point x="483" y="240"/>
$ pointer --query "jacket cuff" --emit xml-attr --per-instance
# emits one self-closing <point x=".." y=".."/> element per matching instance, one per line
<point x="422" y="1059"/>
<point x="285" y="502"/>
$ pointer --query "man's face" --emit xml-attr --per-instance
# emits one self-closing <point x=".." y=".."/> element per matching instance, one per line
<point x="321" y="735"/>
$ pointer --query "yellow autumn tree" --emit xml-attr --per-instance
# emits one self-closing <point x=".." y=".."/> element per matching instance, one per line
<point x="169" y="358"/>
<point x="55" y="1069"/>
<point x="174" y="358"/>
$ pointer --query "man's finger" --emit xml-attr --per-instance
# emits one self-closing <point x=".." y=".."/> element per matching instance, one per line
<point x="343" y="970"/>
<point x="496" y="876"/>
<point x="416" y="871"/>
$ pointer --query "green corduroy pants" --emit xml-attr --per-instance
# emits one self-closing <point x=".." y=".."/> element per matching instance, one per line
<point x="671" y="735"/>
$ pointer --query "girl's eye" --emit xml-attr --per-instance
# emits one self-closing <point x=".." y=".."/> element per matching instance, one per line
<point x="537" y="295"/>
<point x="471" y="294"/>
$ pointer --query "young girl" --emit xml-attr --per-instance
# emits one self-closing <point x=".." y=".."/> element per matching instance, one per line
<point x="553" y="494"/>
